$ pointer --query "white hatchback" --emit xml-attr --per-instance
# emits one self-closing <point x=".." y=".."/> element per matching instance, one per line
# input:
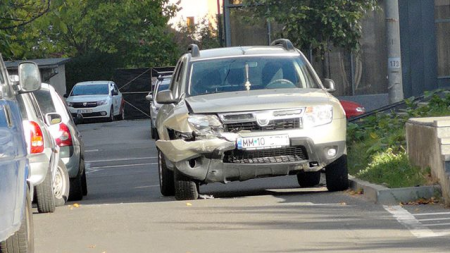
<point x="96" y="99"/>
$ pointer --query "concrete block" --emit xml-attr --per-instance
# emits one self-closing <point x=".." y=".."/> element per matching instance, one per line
<point x="443" y="132"/>
<point x="445" y="150"/>
<point x="444" y="141"/>
<point x="442" y="123"/>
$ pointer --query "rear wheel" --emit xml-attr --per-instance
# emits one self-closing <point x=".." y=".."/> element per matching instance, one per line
<point x="76" y="187"/>
<point x="83" y="178"/>
<point x="185" y="187"/>
<point x="61" y="185"/>
<point x="153" y="131"/>
<point x="23" y="240"/>
<point x="166" y="180"/>
<point x="337" y="174"/>
<point x="308" y="179"/>
<point x="45" y="195"/>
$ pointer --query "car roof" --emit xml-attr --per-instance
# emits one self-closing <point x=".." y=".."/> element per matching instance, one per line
<point x="228" y="52"/>
<point x="93" y="82"/>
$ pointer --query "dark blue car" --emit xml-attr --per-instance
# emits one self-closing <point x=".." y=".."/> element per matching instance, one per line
<point x="16" y="221"/>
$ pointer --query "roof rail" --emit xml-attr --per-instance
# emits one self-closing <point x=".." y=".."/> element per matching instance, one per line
<point x="285" y="43"/>
<point x="193" y="49"/>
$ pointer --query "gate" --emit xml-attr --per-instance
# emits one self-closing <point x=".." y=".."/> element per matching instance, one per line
<point x="135" y="84"/>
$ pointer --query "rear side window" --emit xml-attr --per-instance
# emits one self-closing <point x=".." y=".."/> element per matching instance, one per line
<point x="45" y="101"/>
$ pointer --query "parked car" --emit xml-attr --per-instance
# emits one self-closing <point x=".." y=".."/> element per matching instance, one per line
<point x="96" y="99"/>
<point x="43" y="152"/>
<point x="352" y="109"/>
<point x="161" y="84"/>
<point x="233" y="114"/>
<point x="16" y="219"/>
<point x="68" y="139"/>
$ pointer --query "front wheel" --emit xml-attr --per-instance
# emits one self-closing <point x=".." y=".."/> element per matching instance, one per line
<point x="23" y="240"/>
<point x="111" y="115"/>
<point x="121" y="115"/>
<point x="185" y="187"/>
<point x="61" y="185"/>
<point x="337" y="174"/>
<point x="166" y="180"/>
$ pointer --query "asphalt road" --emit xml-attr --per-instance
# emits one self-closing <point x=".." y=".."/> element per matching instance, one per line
<point x="124" y="211"/>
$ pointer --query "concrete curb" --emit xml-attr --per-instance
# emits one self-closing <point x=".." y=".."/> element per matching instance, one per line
<point x="387" y="196"/>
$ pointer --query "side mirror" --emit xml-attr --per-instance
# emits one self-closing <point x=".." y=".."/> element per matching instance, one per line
<point x="165" y="97"/>
<point x="114" y="93"/>
<point x="29" y="77"/>
<point x="14" y="79"/>
<point x="149" y="97"/>
<point x="329" y="85"/>
<point x="53" y="118"/>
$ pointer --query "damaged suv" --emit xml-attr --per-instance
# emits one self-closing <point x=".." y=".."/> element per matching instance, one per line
<point x="233" y="114"/>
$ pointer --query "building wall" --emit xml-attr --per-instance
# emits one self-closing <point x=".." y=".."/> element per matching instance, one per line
<point x="59" y="80"/>
<point x="198" y="9"/>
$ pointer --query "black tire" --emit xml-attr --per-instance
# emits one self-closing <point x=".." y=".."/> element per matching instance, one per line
<point x="61" y="185"/>
<point x="45" y="198"/>
<point x="84" y="187"/>
<point x="185" y="187"/>
<point x="337" y="175"/>
<point x="308" y="179"/>
<point x="23" y="240"/>
<point x="166" y="179"/>
<point x="111" y="115"/>
<point x="76" y="188"/>
<point x="153" y="132"/>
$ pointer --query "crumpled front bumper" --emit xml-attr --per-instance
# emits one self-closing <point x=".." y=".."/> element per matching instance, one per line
<point x="203" y="160"/>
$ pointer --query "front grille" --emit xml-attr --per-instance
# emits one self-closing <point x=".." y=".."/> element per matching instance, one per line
<point x="82" y="104"/>
<point x="278" y="155"/>
<point x="278" y="124"/>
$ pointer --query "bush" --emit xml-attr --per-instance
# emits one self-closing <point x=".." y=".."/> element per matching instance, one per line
<point x="377" y="144"/>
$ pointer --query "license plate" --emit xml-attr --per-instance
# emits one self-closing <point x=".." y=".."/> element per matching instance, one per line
<point x="263" y="142"/>
<point x="84" y="111"/>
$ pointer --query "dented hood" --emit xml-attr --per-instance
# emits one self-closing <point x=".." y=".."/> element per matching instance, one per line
<point x="257" y="100"/>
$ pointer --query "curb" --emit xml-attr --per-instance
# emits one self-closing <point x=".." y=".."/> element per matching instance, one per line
<point x="387" y="196"/>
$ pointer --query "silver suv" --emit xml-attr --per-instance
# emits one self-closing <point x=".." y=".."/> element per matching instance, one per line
<point x="248" y="112"/>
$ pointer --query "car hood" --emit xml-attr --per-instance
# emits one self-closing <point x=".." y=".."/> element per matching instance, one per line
<point x="257" y="100"/>
<point x="86" y="98"/>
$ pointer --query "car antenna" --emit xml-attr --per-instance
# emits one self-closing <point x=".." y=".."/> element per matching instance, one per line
<point x="247" y="83"/>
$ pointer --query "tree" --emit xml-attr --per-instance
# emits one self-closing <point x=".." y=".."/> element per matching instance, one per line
<point x="135" y="31"/>
<point x="316" y="25"/>
<point x="15" y="14"/>
<point x="202" y="34"/>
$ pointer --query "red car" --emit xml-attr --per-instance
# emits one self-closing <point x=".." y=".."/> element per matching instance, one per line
<point x="352" y="109"/>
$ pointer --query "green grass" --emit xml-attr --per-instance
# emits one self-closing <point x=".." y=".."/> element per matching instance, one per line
<point x="377" y="145"/>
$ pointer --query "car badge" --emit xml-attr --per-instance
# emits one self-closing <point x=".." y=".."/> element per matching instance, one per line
<point x="262" y="121"/>
<point x="84" y="104"/>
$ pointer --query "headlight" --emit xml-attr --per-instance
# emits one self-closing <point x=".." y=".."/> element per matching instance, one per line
<point x="102" y="102"/>
<point x="205" y="124"/>
<point x="317" y="115"/>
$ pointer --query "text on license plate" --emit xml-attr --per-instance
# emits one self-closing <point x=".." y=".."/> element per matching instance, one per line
<point x="260" y="142"/>
<point x="84" y="111"/>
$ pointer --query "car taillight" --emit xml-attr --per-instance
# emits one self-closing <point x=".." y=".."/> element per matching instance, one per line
<point x="37" y="139"/>
<point x="63" y="138"/>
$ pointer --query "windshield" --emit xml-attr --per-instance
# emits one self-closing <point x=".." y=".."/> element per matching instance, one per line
<point x="252" y="73"/>
<point x="91" y="89"/>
